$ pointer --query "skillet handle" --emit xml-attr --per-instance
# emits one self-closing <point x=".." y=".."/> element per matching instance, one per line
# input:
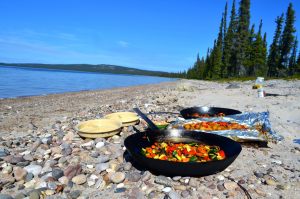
<point x="152" y="126"/>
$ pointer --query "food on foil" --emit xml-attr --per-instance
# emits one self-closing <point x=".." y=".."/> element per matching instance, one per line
<point x="214" y="126"/>
<point x="182" y="152"/>
<point x="199" y="115"/>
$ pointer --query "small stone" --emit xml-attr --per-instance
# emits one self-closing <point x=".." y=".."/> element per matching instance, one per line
<point x="99" y="145"/>
<point x="282" y="187"/>
<point x="34" y="195"/>
<point x="163" y="181"/>
<point x="279" y="162"/>
<point x="49" y="192"/>
<point x="72" y="171"/>
<point x="52" y="185"/>
<point x="63" y="180"/>
<point x="5" y="196"/>
<point x="180" y="187"/>
<point x="30" y="184"/>
<point x="101" y="167"/>
<point x="185" y="194"/>
<point x="69" y="137"/>
<point x="100" y="184"/>
<point x="103" y="159"/>
<point x="57" y="173"/>
<point x="212" y="186"/>
<point x="167" y="189"/>
<point x="28" y="157"/>
<point x="241" y="181"/>
<point x="121" y="185"/>
<point x="134" y="176"/>
<point x="13" y="159"/>
<point x="220" y="187"/>
<point x="117" y="177"/>
<point x="270" y="182"/>
<point x="35" y="145"/>
<point x="127" y="166"/>
<point x="80" y="179"/>
<point x="7" y="170"/>
<point x="6" y="179"/>
<point x="193" y="182"/>
<point x="146" y="176"/>
<point x="20" y="196"/>
<point x="88" y="144"/>
<point x="120" y="190"/>
<point x="74" y="194"/>
<point x="173" y="195"/>
<point x="3" y="152"/>
<point x="29" y="177"/>
<point x="230" y="185"/>
<point x="260" y="192"/>
<point x="19" y="173"/>
<point x="220" y="177"/>
<point x="34" y="169"/>
<point x="176" y="178"/>
<point x="258" y="174"/>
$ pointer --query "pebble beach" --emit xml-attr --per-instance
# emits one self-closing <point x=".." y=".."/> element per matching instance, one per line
<point x="42" y="156"/>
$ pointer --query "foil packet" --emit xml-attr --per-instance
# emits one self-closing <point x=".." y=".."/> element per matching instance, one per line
<point x="259" y="127"/>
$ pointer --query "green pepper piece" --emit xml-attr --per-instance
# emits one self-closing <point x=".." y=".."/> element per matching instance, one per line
<point x="174" y="153"/>
<point x="193" y="159"/>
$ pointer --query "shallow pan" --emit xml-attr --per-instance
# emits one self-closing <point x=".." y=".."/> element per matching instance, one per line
<point x="210" y="111"/>
<point x="134" y="144"/>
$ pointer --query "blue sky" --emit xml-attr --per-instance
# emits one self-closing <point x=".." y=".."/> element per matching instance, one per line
<point x="156" y="35"/>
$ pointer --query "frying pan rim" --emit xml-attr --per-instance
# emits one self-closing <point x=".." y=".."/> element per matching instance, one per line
<point x="210" y="108"/>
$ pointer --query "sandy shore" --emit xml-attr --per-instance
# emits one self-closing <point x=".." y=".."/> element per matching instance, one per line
<point x="271" y="172"/>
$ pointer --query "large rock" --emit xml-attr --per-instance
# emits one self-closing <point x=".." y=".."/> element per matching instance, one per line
<point x="13" y="159"/>
<point x="80" y="179"/>
<point x="34" y="169"/>
<point x="72" y="171"/>
<point x="19" y="173"/>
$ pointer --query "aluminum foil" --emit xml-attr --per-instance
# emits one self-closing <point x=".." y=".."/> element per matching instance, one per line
<point x="258" y="123"/>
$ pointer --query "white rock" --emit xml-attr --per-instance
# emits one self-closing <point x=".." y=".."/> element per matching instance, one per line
<point x="34" y="169"/>
<point x="90" y="166"/>
<point x="167" y="189"/>
<point x="93" y="176"/>
<point x="99" y="145"/>
<point x="90" y="143"/>
<point x="220" y="177"/>
<point x="25" y="153"/>
<point x="121" y="185"/>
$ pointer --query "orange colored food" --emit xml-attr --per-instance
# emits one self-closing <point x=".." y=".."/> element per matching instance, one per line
<point x="180" y="152"/>
<point x="198" y="115"/>
<point x="214" y="126"/>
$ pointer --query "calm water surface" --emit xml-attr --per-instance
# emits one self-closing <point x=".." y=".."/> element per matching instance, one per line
<point x="17" y="82"/>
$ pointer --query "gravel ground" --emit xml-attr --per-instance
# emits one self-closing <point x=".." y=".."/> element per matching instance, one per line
<point x="41" y="155"/>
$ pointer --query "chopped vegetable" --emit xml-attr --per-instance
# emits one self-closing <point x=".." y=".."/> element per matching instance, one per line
<point x="214" y="126"/>
<point x="181" y="152"/>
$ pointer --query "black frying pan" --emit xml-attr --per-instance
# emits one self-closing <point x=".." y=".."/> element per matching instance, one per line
<point x="211" y="111"/>
<point x="134" y="144"/>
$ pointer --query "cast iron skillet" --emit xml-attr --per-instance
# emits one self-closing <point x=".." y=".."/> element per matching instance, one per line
<point x="134" y="144"/>
<point x="211" y="111"/>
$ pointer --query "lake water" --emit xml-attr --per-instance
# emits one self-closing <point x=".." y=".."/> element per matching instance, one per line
<point x="17" y="82"/>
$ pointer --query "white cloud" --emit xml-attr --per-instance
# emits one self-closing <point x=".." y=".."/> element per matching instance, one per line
<point x="123" y="44"/>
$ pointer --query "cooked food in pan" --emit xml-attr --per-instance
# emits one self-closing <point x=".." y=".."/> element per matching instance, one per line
<point x="199" y="115"/>
<point x="181" y="152"/>
<point x="214" y="126"/>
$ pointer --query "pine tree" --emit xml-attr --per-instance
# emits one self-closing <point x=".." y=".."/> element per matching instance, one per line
<point x="243" y="35"/>
<point x="217" y="53"/>
<point x="287" y="39"/>
<point x="293" y="59"/>
<point x="274" y="52"/>
<point x="298" y="65"/>
<point x="229" y="51"/>
<point x="259" y="57"/>
<point x="223" y="69"/>
<point x="249" y="53"/>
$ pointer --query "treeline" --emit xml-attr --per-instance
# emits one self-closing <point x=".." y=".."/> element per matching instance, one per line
<point x="99" y="68"/>
<point x="240" y="51"/>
